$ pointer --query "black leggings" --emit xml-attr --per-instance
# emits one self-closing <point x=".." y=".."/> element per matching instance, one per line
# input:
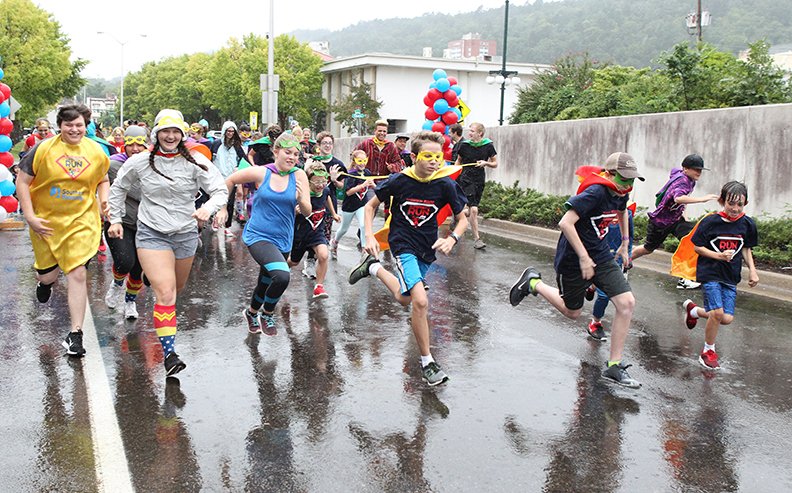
<point x="230" y="207"/>
<point x="124" y="253"/>
<point x="273" y="275"/>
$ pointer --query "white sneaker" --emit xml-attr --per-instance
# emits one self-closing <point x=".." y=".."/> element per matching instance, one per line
<point x="687" y="284"/>
<point x="113" y="294"/>
<point x="228" y="233"/>
<point x="130" y="310"/>
<point x="309" y="268"/>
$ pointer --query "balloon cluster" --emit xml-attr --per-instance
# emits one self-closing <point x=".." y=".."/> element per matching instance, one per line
<point x="8" y="203"/>
<point x="441" y="105"/>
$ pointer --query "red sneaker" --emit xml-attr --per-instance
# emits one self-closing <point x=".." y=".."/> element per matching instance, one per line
<point x="102" y="247"/>
<point x="596" y="331"/>
<point x="319" y="292"/>
<point x="690" y="321"/>
<point x="590" y="292"/>
<point x="709" y="360"/>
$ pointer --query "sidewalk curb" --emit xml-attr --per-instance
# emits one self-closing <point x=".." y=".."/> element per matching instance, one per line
<point x="771" y="284"/>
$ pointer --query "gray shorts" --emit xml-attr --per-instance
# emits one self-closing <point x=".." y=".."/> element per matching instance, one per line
<point x="608" y="277"/>
<point x="183" y="245"/>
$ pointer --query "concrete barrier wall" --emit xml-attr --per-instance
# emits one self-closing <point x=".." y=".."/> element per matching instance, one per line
<point x="751" y="144"/>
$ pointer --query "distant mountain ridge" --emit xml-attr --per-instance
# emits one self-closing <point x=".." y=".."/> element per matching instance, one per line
<point x="625" y="32"/>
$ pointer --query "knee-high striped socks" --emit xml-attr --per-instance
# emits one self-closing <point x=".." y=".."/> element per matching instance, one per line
<point x="165" y="325"/>
<point x="133" y="287"/>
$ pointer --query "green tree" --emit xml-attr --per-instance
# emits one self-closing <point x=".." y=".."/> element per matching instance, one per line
<point x="762" y="82"/>
<point x="35" y="57"/>
<point x="358" y="98"/>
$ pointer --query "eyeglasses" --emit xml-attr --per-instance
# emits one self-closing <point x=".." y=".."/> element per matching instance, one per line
<point x="430" y="156"/>
<point x="318" y="181"/>
<point x="326" y="143"/>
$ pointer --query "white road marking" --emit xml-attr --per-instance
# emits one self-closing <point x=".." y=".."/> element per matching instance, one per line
<point x="112" y="470"/>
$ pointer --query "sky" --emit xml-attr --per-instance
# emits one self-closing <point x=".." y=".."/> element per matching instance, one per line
<point x="170" y="29"/>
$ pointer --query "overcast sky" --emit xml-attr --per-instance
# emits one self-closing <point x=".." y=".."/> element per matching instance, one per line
<point x="175" y="27"/>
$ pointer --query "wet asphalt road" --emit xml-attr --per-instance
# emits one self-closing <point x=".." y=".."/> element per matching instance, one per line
<point x="334" y="402"/>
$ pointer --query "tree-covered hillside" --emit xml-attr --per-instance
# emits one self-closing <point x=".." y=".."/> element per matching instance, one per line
<point x="625" y="32"/>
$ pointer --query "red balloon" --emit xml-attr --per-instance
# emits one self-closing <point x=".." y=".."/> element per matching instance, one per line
<point x="453" y="81"/>
<point x="447" y="143"/>
<point x="10" y="204"/>
<point x="5" y="90"/>
<point x="450" y="118"/>
<point x="448" y="154"/>
<point x="452" y="100"/>
<point x="431" y="114"/>
<point x="434" y="95"/>
<point x="2" y="97"/>
<point x="438" y="127"/>
<point x="6" y="126"/>
<point x="427" y="101"/>
<point x="6" y="159"/>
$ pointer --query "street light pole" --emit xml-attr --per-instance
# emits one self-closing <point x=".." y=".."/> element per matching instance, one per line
<point x="503" y="77"/>
<point x="123" y="72"/>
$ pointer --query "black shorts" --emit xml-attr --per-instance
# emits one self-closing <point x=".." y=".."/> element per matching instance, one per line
<point x="302" y="245"/>
<point x="655" y="235"/>
<point x="41" y="272"/>
<point x="473" y="191"/>
<point x="608" y="277"/>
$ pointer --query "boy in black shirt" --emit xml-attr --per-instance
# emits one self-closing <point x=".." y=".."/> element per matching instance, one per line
<point x="583" y="256"/>
<point x="721" y="241"/>
<point x="418" y="195"/>
<point x="479" y="150"/>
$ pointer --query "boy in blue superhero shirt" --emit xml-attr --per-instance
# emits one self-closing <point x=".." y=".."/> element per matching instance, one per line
<point x="418" y="193"/>
<point x="583" y="256"/>
<point x="721" y="241"/>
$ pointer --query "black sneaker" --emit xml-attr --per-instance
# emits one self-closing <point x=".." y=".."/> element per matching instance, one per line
<point x="73" y="344"/>
<point x="522" y="287"/>
<point x="618" y="374"/>
<point x="590" y="292"/>
<point x="362" y="269"/>
<point x="173" y="364"/>
<point x="433" y="375"/>
<point x="43" y="292"/>
<point x="596" y="331"/>
<point x="254" y="324"/>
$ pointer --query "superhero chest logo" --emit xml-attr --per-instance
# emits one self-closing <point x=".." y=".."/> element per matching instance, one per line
<point x="602" y="222"/>
<point x="418" y="212"/>
<point x="74" y="166"/>
<point x="723" y="243"/>
<point x="316" y="217"/>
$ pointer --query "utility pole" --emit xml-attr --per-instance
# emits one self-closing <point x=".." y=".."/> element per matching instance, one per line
<point x="698" y="20"/>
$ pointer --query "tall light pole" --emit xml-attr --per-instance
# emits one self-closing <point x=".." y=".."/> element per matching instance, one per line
<point x="123" y="72"/>
<point x="503" y="77"/>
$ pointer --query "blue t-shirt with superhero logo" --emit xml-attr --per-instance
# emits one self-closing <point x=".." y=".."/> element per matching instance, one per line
<point x="358" y="199"/>
<point x="717" y="234"/>
<point x="309" y="230"/>
<point x="598" y="208"/>
<point x="413" y="227"/>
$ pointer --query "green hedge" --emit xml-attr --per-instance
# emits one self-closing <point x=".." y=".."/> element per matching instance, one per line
<point x="528" y="206"/>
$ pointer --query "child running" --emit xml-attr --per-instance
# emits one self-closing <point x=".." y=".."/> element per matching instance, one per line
<point x="126" y="265"/>
<point x="721" y="241"/>
<point x="309" y="232"/>
<point x="280" y="187"/>
<point x="583" y="257"/>
<point x="418" y="195"/>
<point x="355" y="188"/>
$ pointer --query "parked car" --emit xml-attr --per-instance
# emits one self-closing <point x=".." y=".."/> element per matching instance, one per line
<point x="215" y="134"/>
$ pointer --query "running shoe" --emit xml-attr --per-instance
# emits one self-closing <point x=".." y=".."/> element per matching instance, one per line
<point x="479" y="244"/>
<point x="268" y="320"/>
<point x="618" y="374"/>
<point x="173" y="364"/>
<point x="113" y="295"/>
<point x="433" y="375"/>
<point x="590" y="292"/>
<point x="596" y="331"/>
<point x="130" y="310"/>
<point x="253" y="321"/>
<point x="319" y="292"/>
<point x="689" y="306"/>
<point x="362" y="269"/>
<point x="228" y="233"/>
<point x="334" y="249"/>
<point x="309" y="268"/>
<point x="73" y="344"/>
<point x="687" y="284"/>
<point x="102" y="248"/>
<point x="522" y="287"/>
<point x="43" y="292"/>
<point x="709" y="360"/>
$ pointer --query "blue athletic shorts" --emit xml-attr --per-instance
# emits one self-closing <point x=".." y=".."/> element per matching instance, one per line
<point x="719" y="295"/>
<point x="410" y="271"/>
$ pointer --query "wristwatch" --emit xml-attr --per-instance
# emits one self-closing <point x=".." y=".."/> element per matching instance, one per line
<point x="454" y="236"/>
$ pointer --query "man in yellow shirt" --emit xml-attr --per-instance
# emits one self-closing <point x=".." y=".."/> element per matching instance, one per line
<point x="57" y="187"/>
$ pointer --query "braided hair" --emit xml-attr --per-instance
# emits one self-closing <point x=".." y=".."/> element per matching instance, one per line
<point x="183" y="152"/>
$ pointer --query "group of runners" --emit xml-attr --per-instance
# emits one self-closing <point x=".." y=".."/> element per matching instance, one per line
<point x="152" y="222"/>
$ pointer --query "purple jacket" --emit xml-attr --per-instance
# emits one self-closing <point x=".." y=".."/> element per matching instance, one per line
<point x="669" y="212"/>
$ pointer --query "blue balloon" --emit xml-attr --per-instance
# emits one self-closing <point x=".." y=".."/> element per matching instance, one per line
<point x="443" y="85"/>
<point x="440" y="106"/>
<point x="7" y="188"/>
<point x="458" y="112"/>
<point x="5" y="110"/>
<point x="2" y="74"/>
<point x="433" y="85"/>
<point x="5" y="143"/>
<point x="427" y="125"/>
<point x="456" y="89"/>
<point x="439" y="74"/>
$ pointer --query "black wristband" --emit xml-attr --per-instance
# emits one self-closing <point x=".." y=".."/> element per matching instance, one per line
<point x="454" y="236"/>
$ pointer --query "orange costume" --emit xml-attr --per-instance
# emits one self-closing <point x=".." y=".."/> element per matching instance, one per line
<point x="63" y="192"/>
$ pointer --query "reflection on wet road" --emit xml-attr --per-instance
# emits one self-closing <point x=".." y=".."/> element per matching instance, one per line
<point x="334" y="401"/>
